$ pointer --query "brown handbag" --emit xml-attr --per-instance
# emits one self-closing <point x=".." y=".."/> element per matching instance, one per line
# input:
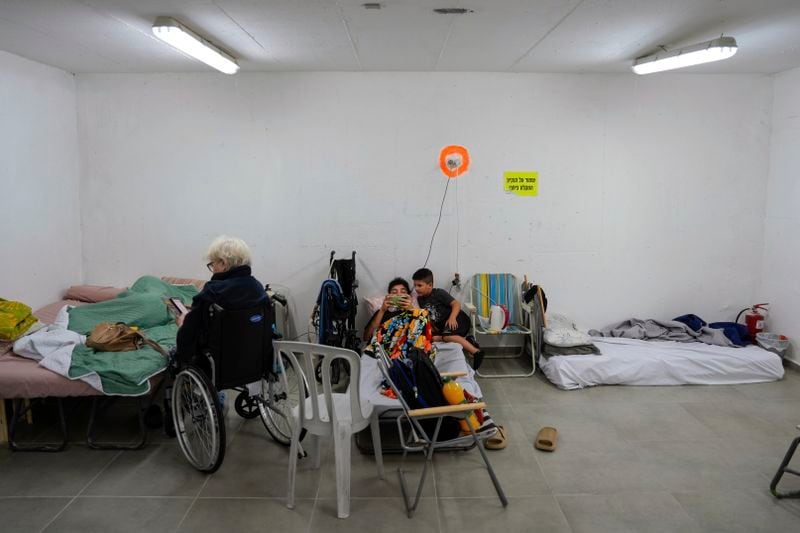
<point x="119" y="337"/>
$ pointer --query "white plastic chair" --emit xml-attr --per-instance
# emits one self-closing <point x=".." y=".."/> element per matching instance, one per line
<point x="328" y="413"/>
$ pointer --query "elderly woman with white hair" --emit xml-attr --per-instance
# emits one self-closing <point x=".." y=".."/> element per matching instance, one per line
<point x="232" y="286"/>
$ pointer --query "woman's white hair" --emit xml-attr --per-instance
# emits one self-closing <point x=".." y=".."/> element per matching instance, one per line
<point x="230" y="250"/>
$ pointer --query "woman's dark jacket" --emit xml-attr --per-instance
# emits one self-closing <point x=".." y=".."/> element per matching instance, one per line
<point x="234" y="289"/>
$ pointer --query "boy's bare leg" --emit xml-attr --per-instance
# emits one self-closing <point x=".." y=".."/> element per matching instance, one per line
<point x="458" y="339"/>
<point x="475" y="352"/>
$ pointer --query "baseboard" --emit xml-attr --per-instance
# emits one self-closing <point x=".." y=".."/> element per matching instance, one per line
<point x="791" y="365"/>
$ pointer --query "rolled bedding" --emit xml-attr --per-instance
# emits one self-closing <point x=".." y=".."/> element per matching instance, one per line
<point x="562" y="337"/>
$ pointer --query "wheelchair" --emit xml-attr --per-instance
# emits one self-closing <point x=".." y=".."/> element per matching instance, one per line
<point x="334" y="316"/>
<point x="238" y="355"/>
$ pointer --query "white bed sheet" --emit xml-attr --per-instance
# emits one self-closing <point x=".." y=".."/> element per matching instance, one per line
<point x="450" y="358"/>
<point x="637" y="362"/>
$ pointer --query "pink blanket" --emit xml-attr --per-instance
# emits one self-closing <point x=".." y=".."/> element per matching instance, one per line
<point x="24" y="378"/>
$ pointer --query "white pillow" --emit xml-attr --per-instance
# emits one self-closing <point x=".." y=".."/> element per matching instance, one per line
<point x="373" y="304"/>
<point x="561" y="331"/>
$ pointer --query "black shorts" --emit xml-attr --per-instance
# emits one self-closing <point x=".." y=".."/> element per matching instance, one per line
<point x="463" y="329"/>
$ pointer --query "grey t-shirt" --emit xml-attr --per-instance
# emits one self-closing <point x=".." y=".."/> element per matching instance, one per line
<point x="438" y="305"/>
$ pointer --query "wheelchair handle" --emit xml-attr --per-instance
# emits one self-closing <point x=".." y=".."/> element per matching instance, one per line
<point x="278" y="297"/>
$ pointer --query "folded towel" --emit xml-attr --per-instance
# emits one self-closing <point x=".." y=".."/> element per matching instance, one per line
<point x="584" y="349"/>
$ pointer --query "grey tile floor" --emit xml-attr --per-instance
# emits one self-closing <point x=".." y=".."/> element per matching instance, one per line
<point x="629" y="459"/>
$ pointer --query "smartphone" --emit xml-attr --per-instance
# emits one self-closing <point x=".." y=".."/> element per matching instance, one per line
<point x="178" y="305"/>
<point x="397" y="299"/>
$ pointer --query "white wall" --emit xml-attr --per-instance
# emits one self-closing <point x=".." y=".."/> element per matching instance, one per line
<point x="651" y="198"/>
<point x="40" y="235"/>
<point x="780" y="284"/>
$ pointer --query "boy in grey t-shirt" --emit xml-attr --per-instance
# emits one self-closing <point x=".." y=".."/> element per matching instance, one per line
<point x="450" y="324"/>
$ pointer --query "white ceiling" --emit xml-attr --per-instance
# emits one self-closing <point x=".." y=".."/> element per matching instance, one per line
<point x="578" y="36"/>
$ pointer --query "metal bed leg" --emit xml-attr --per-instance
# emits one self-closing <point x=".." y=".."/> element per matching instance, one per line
<point x="18" y="412"/>
<point x="773" y="487"/>
<point x="3" y="422"/>
<point x="143" y="403"/>
<point x="141" y="443"/>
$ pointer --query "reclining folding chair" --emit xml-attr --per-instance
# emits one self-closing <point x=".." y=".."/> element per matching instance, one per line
<point x="416" y="439"/>
<point x="773" y="487"/>
<point x="486" y="290"/>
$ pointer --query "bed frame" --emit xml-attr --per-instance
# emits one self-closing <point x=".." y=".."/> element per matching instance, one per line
<point x="27" y="383"/>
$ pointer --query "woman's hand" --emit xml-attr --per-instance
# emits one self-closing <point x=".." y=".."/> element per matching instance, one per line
<point x="179" y="319"/>
<point x="387" y="302"/>
<point x="405" y="303"/>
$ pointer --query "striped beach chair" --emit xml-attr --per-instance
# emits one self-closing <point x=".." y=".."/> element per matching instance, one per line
<point x="486" y="290"/>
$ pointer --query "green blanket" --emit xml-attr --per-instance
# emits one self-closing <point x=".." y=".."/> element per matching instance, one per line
<point x="142" y="305"/>
<point x="127" y="373"/>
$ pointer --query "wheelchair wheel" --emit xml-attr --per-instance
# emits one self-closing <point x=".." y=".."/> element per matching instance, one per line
<point x="198" y="420"/>
<point x="280" y="396"/>
<point x="246" y="406"/>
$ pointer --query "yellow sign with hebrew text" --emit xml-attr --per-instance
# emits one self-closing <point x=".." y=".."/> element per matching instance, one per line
<point x="521" y="183"/>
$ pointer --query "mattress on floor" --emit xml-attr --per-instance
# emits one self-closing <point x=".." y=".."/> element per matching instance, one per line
<point x="637" y="362"/>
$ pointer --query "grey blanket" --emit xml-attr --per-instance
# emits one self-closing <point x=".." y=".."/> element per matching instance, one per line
<point x="662" y="330"/>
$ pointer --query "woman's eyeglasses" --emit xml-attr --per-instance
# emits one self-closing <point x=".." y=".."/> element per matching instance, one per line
<point x="210" y="266"/>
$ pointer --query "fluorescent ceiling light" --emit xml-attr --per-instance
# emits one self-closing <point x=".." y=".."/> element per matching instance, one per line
<point x="714" y="50"/>
<point x="179" y="36"/>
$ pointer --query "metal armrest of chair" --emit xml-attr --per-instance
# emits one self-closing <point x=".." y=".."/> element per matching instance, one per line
<point x="475" y="328"/>
<point x="528" y="311"/>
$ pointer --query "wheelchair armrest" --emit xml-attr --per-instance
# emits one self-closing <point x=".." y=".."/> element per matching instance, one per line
<point x="470" y="307"/>
<point x="451" y="410"/>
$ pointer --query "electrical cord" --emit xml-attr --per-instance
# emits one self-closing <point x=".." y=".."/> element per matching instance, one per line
<point x="458" y="233"/>
<point x="456" y="283"/>
<point x="441" y="208"/>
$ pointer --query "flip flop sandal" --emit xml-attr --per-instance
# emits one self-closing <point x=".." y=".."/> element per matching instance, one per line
<point x="546" y="439"/>
<point x="498" y="441"/>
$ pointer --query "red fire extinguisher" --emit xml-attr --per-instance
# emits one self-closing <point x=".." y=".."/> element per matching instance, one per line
<point x="754" y="318"/>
